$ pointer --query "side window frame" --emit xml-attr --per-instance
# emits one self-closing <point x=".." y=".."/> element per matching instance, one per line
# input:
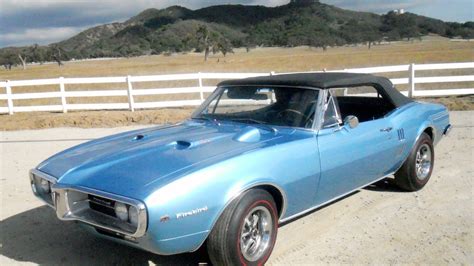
<point x="377" y="93"/>
<point x="330" y="104"/>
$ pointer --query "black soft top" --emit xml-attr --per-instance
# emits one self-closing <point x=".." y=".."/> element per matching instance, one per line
<point x="326" y="81"/>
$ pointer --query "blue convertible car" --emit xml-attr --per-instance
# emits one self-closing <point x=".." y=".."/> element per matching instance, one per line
<point x="256" y="153"/>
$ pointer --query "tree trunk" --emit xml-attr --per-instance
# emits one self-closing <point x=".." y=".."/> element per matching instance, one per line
<point x="55" y="58"/>
<point x="206" y="53"/>
<point x="23" y="61"/>
<point x="370" y="45"/>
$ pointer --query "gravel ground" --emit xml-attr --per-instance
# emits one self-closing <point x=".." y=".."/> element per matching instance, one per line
<point x="377" y="225"/>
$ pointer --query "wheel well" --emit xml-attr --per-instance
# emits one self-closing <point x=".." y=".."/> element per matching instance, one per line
<point x="277" y="196"/>
<point x="429" y="131"/>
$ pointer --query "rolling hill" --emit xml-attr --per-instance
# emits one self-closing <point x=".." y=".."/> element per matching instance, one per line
<point x="301" y="22"/>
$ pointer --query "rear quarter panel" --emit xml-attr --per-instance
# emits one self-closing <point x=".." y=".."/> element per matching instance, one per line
<point x="414" y="119"/>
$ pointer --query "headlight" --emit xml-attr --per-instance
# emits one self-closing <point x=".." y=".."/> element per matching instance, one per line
<point x="133" y="215"/>
<point x="45" y="186"/>
<point x="121" y="211"/>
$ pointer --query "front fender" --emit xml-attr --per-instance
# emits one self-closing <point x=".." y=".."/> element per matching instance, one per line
<point x="187" y="211"/>
<point x="192" y="204"/>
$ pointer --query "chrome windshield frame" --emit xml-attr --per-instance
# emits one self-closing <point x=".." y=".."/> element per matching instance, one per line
<point x="220" y="88"/>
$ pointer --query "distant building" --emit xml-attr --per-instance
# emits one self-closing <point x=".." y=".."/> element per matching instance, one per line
<point x="400" y="11"/>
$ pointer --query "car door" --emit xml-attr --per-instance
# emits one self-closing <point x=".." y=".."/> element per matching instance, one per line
<point x="352" y="157"/>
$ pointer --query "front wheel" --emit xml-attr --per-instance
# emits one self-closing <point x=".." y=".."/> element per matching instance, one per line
<point x="246" y="231"/>
<point x="417" y="169"/>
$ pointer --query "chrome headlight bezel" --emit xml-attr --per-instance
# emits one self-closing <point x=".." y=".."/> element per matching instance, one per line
<point x="133" y="215"/>
<point x="71" y="205"/>
<point x="41" y="184"/>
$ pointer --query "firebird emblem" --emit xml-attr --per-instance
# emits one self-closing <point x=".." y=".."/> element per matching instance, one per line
<point x="191" y="212"/>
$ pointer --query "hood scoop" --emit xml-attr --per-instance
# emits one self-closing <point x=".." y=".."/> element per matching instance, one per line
<point x="182" y="144"/>
<point x="248" y="135"/>
<point x="138" y="137"/>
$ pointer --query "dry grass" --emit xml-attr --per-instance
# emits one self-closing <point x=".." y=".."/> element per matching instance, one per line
<point x="92" y="119"/>
<point x="258" y="60"/>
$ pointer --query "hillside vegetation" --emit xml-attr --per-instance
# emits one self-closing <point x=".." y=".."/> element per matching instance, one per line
<point x="175" y="29"/>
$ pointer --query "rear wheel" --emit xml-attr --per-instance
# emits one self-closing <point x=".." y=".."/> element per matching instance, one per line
<point x="417" y="169"/>
<point x="246" y="231"/>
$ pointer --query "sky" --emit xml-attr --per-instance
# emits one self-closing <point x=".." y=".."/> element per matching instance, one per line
<point x="24" y="22"/>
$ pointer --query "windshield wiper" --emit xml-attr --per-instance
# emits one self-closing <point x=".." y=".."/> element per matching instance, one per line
<point x="254" y="121"/>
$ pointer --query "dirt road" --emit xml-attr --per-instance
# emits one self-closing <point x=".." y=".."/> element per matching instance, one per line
<point x="379" y="224"/>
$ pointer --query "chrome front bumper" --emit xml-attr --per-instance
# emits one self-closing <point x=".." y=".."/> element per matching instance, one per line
<point x="74" y="204"/>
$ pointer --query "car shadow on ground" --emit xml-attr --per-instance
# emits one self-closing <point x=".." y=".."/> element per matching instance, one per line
<point x="384" y="185"/>
<point x="37" y="236"/>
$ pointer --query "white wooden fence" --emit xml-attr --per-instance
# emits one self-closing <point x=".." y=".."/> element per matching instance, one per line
<point x="130" y="92"/>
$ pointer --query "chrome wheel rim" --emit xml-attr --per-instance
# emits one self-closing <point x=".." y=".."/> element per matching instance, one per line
<point x="423" y="162"/>
<point x="256" y="233"/>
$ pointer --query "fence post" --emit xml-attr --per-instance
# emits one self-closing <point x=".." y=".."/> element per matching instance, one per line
<point x="411" y="80"/>
<point x="131" y="102"/>
<point x="63" y="94"/>
<point x="9" y="98"/>
<point x="201" y="93"/>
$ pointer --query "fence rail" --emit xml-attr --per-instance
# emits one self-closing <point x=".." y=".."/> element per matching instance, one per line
<point x="411" y="79"/>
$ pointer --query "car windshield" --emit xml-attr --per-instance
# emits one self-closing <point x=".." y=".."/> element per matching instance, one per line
<point x="279" y="106"/>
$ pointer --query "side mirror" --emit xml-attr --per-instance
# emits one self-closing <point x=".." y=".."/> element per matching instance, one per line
<point x="351" y="121"/>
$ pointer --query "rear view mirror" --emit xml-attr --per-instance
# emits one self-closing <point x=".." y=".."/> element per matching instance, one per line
<point x="260" y="97"/>
<point x="240" y="93"/>
<point x="351" y="121"/>
<point x="246" y="93"/>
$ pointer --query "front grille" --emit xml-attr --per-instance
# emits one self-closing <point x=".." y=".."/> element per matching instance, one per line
<point x="93" y="207"/>
<point x="99" y="211"/>
<point x="102" y="205"/>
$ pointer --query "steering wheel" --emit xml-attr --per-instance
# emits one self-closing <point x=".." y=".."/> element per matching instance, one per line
<point x="308" y="120"/>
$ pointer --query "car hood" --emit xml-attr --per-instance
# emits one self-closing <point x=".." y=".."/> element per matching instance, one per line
<point x="127" y="163"/>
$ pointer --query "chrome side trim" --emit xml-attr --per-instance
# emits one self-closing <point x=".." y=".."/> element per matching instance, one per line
<point x="66" y="212"/>
<point x="331" y="200"/>
<point x="174" y="238"/>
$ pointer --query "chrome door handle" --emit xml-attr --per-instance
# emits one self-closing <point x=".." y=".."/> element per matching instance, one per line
<point x="388" y="129"/>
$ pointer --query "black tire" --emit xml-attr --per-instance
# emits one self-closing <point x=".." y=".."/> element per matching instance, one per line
<point x="407" y="177"/>
<point x="224" y="242"/>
